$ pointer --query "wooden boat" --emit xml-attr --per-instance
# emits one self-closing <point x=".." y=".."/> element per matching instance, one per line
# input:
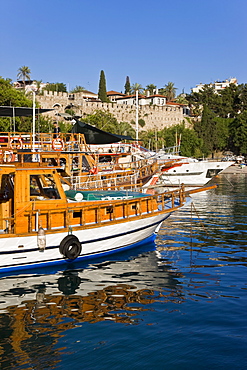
<point x="80" y="163"/>
<point x="43" y="224"/>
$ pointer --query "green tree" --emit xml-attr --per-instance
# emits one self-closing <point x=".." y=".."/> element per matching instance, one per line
<point x="238" y="133"/>
<point x="9" y="96"/>
<point x="181" y="99"/>
<point x="205" y="97"/>
<point x="169" y="91"/>
<point x="102" y="88"/>
<point x="243" y="96"/>
<point x="151" y="88"/>
<point x="107" y="122"/>
<point x="141" y="122"/>
<point x="148" y="139"/>
<point x="136" y="87"/>
<point x="229" y="103"/>
<point x="212" y="131"/>
<point x="124" y="128"/>
<point x="38" y="84"/>
<point x="78" y="89"/>
<point x="190" y="143"/>
<point x="127" y="86"/>
<point x="102" y="120"/>
<point x="24" y="74"/>
<point x="58" y="86"/>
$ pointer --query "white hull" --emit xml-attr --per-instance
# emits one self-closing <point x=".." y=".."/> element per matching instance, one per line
<point x="22" y="252"/>
<point x="192" y="173"/>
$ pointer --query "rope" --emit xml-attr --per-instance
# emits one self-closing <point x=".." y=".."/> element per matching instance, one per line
<point x="192" y="205"/>
<point x="228" y="181"/>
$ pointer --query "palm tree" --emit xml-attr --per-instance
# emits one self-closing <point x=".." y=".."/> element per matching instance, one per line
<point x="24" y="73"/>
<point x="78" y="89"/>
<point x="124" y="128"/>
<point x="169" y="91"/>
<point x="38" y="85"/>
<point x="136" y="87"/>
<point x="151" y="88"/>
<point x="148" y="138"/>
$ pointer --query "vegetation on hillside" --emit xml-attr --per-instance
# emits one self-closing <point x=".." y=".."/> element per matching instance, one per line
<point x="220" y="118"/>
<point x="107" y="122"/>
<point x="56" y="86"/>
<point x="9" y="96"/>
<point x="218" y="121"/>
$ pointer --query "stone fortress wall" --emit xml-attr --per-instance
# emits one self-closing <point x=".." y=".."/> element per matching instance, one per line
<point x="155" y="117"/>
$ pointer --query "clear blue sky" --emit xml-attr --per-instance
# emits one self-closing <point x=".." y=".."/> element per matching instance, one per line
<point x="182" y="41"/>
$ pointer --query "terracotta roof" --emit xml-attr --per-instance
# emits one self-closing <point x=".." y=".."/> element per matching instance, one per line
<point x="172" y="103"/>
<point x="114" y="93"/>
<point x="132" y="96"/>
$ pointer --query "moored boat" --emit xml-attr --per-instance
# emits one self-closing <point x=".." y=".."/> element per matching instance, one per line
<point x="43" y="224"/>
<point x="176" y="170"/>
<point x="80" y="163"/>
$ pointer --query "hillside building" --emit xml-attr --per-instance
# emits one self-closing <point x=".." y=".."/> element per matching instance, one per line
<point x="217" y="85"/>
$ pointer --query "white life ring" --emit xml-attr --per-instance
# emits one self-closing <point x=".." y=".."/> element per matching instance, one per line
<point x="16" y="143"/>
<point x="57" y="144"/>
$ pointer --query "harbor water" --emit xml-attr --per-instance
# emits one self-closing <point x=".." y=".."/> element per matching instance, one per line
<point x="180" y="303"/>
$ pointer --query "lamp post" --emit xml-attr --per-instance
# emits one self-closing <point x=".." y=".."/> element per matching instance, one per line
<point x="136" y="116"/>
<point x="33" y="146"/>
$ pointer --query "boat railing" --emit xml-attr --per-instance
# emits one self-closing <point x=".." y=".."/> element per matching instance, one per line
<point x="101" y="182"/>
<point x="43" y="141"/>
<point x="117" y="148"/>
<point x="113" y="180"/>
<point x="129" y="165"/>
<point x="73" y="215"/>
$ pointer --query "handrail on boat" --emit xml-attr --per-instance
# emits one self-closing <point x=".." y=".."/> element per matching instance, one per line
<point x="42" y="141"/>
<point x="87" y="215"/>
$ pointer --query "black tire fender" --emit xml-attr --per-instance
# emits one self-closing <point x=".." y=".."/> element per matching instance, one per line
<point x="70" y="247"/>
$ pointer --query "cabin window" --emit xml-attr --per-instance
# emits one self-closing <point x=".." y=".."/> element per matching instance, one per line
<point x="43" y="187"/>
<point x="109" y="210"/>
<point x="7" y="187"/>
<point x="77" y="214"/>
<point x="212" y="172"/>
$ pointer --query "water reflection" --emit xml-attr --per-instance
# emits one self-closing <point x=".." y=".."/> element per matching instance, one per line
<point x="35" y="310"/>
<point x="189" y="263"/>
<point x="215" y="225"/>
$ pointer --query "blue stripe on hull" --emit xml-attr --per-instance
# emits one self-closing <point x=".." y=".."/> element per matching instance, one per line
<point x="3" y="271"/>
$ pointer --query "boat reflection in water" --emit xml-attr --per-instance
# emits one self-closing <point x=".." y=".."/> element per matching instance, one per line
<point x="38" y="309"/>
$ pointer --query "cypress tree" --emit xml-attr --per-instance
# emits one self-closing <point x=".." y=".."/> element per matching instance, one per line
<point x="127" y="86"/>
<point x="102" y="88"/>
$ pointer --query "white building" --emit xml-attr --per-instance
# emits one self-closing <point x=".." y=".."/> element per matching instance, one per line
<point x="158" y="100"/>
<point x="217" y="85"/>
